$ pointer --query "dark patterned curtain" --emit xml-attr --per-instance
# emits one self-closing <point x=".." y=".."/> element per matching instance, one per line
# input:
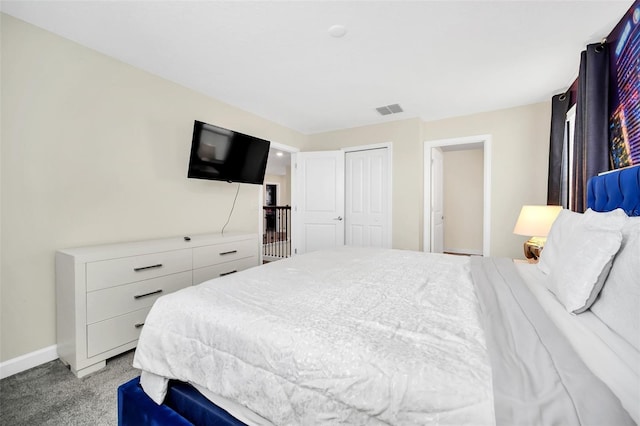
<point x="558" y="181"/>
<point x="591" y="143"/>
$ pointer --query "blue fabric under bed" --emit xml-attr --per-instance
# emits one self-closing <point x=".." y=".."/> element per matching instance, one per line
<point x="184" y="405"/>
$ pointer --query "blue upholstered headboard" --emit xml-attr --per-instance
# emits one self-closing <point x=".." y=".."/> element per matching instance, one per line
<point x="620" y="188"/>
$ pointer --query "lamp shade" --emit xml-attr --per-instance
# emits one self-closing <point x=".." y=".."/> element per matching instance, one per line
<point x="536" y="221"/>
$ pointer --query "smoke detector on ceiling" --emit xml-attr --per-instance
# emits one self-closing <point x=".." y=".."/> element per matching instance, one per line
<point x="389" y="109"/>
<point x="337" y="31"/>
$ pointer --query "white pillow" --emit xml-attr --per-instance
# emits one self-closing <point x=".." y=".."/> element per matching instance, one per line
<point x="561" y="229"/>
<point x="614" y="219"/>
<point x="582" y="266"/>
<point x="618" y="305"/>
<point x="567" y="224"/>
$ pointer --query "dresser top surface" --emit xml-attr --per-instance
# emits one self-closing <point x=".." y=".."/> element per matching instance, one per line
<point x="134" y="248"/>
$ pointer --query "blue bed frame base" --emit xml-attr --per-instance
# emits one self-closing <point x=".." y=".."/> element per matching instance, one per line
<point x="183" y="406"/>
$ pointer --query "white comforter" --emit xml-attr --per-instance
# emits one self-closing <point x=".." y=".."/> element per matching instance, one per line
<point x="357" y="336"/>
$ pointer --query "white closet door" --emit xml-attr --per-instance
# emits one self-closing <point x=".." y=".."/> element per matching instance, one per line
<point x="319" y="213"/>
<point x="366" y="198"/>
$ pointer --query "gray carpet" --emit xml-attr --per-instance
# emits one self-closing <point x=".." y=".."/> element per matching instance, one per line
<point x="51" y="395"/>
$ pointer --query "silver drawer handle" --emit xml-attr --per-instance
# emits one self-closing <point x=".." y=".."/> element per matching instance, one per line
<point x="228" y="273"/>
<point x="138" y="296"/>
<point x="142" y="268"/>
<point x="138" y="325"/>
<point x="228" y="252"/>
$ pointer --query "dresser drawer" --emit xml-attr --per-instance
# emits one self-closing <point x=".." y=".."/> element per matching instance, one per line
<point x="106" y="335"/>
<point x="110" y="302"/>
<point x="114" y="272"/>
<point x="226" y="252"/>
<point x="201" y="275"/>
<point x="96" y="287"/>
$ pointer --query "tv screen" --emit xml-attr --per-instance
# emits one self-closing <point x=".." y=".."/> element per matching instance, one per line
<point x="222" y="154"/>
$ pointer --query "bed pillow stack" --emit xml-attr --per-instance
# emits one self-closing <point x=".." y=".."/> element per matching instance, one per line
<point x="562" y="228"/>
<point x="618" y="305"/>
<point x="579" y="254"/>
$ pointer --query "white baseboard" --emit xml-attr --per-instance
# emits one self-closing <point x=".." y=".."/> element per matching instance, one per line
<point x="27" y="361"/>
<point x="473" y="252"/>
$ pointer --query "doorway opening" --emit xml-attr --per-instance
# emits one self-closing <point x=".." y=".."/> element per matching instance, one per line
<point x="433" y="233"/>
<point x="274" y="222"/>
<point x="271" y="194"/>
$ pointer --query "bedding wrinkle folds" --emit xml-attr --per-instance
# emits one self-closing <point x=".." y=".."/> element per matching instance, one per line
<point x="537" y="376"/>
<point x="352" y="336"/>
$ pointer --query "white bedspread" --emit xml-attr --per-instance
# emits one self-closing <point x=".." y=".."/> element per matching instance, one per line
<point x="357" y="336"/>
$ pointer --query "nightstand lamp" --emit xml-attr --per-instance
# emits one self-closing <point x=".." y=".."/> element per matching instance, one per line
<point x="535" y="222"/>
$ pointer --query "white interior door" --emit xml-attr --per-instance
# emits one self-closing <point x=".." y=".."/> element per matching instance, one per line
<point x="366" y="203"/>
<point x="437" y="201"/>
<point x="319" y="213"/>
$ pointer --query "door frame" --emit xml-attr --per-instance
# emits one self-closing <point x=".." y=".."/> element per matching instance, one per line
<point x="471" y="142"/>
<point x="389" y="147"/>
<point x="290" y="150"/>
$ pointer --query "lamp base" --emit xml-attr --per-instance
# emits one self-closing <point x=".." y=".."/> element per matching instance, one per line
<point x="533" y="247"/>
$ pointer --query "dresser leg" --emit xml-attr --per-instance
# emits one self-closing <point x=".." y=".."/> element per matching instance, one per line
<point x="82" y="372"/>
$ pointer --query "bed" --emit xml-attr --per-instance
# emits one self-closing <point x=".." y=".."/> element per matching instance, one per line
<point x="367" y="336"/>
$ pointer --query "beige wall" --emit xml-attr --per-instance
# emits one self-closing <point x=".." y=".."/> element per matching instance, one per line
<point x="520" y="148"/>
<point x="407" y="170"/>
<point x="463" y="176"/>
<point x="519" y="159"/>
<point x="96" y="151"/>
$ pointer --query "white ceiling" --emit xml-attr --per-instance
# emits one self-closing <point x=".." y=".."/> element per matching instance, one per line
<point x="276" y="59"/>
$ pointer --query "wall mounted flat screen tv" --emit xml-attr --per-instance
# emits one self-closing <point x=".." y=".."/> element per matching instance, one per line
<point x="222" y="154"/>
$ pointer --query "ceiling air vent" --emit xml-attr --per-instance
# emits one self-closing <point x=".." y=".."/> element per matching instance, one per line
<point x="389" y="109"/>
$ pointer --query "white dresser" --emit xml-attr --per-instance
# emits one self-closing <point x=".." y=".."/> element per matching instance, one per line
<point x="103" y="293"/>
